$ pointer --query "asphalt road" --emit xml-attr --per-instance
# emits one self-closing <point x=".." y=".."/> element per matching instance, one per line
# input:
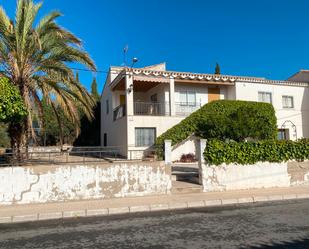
<point x="272" y="225"/>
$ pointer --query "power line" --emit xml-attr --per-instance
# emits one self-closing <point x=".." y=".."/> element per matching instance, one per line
<point x="89" y="70"/>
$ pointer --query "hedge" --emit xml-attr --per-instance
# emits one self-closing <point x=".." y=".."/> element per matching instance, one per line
<point x="224" y="119"/>
<point x="218" y="152"/>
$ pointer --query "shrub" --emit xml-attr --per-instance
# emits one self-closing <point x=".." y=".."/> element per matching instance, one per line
<point x="11" y="104"/>
<point x="187" y="158"/>
<point x="225" y="119"/>
<point x="218" y="152"/>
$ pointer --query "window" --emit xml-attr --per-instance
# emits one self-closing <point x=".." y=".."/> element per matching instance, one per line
<point x="145" y="136"/>
<point x="287" y="102"/>
<point x="187" y="98"/>
<point x="105" y="140"/>
<point x="107" y="106"/>
<point x="265" y="97"/>
<point x="154" y="98"/>
<point x="283" y="134"/>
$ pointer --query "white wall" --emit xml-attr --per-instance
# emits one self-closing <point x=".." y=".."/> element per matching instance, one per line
<point x="187" y="146"/>
<point x="145" y="96"/>
<point x="236" y="177"/>
<point x="40" y="184"/>
<point x="299" y="115"/>
<point x="116" y="130"/>
<point x="161" y="123"/>
<point x="201" y="91"/>
<point x="259" y="175"/>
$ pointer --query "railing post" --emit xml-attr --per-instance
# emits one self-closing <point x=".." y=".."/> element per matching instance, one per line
<point x="202" y="143"/>
<point x="129" y="94"/>
<point x="168" y="151"/>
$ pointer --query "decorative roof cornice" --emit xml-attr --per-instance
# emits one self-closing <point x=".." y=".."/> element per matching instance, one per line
<point x="272" y="82"/>
<point x="182" y="75"/>
<point x="204" y="77"/>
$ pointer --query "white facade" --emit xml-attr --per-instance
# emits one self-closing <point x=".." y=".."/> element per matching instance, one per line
<point x="138" y="105"/>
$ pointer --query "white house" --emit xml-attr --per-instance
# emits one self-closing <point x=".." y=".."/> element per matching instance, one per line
<point x="139" y="104"/>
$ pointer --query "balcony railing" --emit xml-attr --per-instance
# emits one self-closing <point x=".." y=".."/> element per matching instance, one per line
<point x="157" y="109"/>
<point x="185" y="109"/>
<point x="119" y="112"/>
<point x="151" y="108"/>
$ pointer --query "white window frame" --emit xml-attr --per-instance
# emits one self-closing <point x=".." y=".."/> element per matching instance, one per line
<point x="187" y="103"/>
<point x="292" y="101"/>
<point x="264" y="92"/>
<point x="142" y="143"/>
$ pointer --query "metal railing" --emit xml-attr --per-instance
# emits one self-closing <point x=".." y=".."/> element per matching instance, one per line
<point x="119" y="112"/>
<point x="185" y="109"/>
<point x="74" y="155"/>
<point x="142" y="154"/>
<point x="151" y="108"/>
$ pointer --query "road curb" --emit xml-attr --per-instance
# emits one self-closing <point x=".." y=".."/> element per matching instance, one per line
<point x="148" y="208"/>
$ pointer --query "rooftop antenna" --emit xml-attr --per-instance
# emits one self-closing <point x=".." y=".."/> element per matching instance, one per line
<point x="125" y="51"/>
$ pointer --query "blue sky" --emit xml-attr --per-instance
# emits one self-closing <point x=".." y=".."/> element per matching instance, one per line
<point x="266" y="38"/>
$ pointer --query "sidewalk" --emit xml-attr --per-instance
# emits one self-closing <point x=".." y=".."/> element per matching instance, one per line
<point x="34" y="212"/>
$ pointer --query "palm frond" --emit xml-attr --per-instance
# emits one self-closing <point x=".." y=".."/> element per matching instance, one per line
<point x="36" y="57"/>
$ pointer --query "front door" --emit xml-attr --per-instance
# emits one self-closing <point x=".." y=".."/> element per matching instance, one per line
<point x="213" y="94"/>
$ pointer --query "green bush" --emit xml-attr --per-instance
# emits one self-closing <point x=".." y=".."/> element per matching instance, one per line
<point x="4" y="137"/>
<point x="225" y="119"/>
<point x="11" y="104"/>
<point x="218" y="152"/>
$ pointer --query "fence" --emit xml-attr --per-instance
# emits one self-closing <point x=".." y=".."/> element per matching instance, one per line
<point x="185" y="109"/>
<point x="151" y="108"/>
<point x="74" y="155"/>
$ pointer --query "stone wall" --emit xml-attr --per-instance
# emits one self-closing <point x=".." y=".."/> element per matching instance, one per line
<point x="259" y="175"/>
<point x="40" y="184"/>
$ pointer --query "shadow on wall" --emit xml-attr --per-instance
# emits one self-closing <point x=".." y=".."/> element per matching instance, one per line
<point x="189" y="145"/>
<point x="305" y="111"/>
<point x="295" y="244"/>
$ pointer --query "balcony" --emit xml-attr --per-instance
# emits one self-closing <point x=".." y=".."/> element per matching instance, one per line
<point x="151" y="109"/>
<point x="119" y="112"/>
<point x="185" y="109"/>
<point x="157" y="109"/>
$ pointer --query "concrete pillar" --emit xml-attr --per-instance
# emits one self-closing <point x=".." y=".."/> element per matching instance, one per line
<point x="129" y="94"/>
<point x="168" y="151"/>
<point x="202" y="143"/>
<point x="172" y="97"/>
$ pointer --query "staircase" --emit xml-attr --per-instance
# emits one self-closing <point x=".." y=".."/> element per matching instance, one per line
<point x="185" y="180"/>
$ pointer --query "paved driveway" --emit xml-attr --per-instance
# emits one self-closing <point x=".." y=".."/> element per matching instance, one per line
<point x="274" y="225"/>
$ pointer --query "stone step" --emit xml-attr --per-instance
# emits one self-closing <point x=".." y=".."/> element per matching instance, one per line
<point x="187" y="190"/>
<point x="180" y="187"/>
<point x="192" y="177"/>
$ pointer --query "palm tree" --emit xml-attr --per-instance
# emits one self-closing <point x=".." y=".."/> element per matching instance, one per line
<point x="34" y="56"/>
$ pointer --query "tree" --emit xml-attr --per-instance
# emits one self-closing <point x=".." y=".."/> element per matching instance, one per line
<point x="11" y="104"/>
<point x="11" y="110"/>
<point x="35" y="57"/>
<point x="94" y="90"/>
<point x="51" y="133"/>
<point x="90" y="130"/>
<point x="4" y="138"/>
<point x="217" y="69"/>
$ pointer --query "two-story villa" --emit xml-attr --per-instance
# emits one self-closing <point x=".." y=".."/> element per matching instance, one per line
<point x="139" y="104"/>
